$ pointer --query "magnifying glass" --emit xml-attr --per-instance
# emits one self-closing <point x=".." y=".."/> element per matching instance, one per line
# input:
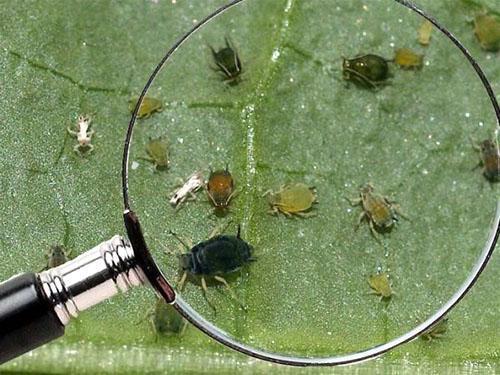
<point x="325" y="173"/>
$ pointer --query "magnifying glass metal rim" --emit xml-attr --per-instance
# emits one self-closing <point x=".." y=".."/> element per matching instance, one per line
<point x="161" y="285"/>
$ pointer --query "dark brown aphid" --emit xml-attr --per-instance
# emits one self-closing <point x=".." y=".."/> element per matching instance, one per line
<point x="220" y="188"/>
<point x="228" y="63"/>
<point x="490" y="160"/>
<point x="368" y="71"/>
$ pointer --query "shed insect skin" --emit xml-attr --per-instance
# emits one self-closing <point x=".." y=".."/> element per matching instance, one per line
<point x="228" y="63"/>
<point x="83" y="135"/>
<point x="187" y="190"/>
<point x="490" y="159"/>
<point x="213" y="258"/>
<point x="380" y="212"/>
<point x="367" y="71"/>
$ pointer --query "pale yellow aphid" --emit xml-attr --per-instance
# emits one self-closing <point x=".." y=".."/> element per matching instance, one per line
<point x="425" y="32"/>
<point x="148" y="106"/>
<point x="292" y="199"/>
<point x="380" y="285"/>
<point x="408" y="59"/>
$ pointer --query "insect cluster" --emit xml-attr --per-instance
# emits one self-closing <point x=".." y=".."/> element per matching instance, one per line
<point x="224" y="254"/>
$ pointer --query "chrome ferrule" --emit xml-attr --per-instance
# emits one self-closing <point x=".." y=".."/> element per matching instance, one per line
<point x="91" y="278"/>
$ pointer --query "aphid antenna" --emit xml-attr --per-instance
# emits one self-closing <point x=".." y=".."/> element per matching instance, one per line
<point x="238" y="232"/>
<point x="179" y="239"/>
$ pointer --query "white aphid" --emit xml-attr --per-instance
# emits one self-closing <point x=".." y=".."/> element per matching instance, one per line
<point x="83" y="134"/>
<point x="192" y="184"/>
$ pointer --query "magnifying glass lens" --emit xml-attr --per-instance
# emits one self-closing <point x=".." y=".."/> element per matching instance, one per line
<point x="326" y="166"/>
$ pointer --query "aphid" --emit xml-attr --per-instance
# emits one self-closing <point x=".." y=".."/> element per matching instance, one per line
<point x="157" y="150"/>
<point x="292" y="199"/>
<point x="56" y="256"/>
<point x="487" y="31"/>
<point x="228" y="63"/>
<point x="408" y="59"/>
<point x="380" y="285"/>
<point x="425" y="32"/>
<point x="490" y="159"/>
<point x="380" y="212"/>
<point x="83" y="135"/>
<point x="187" y="190"/>
<point x="220" y="188"/>
<point x="166" y="321"/>
<point x="220" y="255"/>
<point x="368" y="71"/>
<point x="436" y="331"/>
<point x="148" y="106"/>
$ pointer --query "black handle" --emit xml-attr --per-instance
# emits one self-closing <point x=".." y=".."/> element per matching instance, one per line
<point x="27" y="319"/>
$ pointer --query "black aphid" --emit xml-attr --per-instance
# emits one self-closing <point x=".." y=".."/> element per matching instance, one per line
<point x="228" y="63"/>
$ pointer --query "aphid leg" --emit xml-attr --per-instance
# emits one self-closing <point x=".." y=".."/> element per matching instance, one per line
<point x="205" y="290"/>
<point x="231" y="196"/>
<point x="397" y="209"/>
<point x="354" y="201"/>
<point x="90" y="148"/>
<point x="305" y="214"/>
<point x="231" y="292"/>
<point x="267" y="192"/>
<point x="186" y="244"/>
<point x="72" y="132"/>
<point x="77" y="150"/>
<point x="374" y="231"/>
<point x="182" y="281"/>
<point x="273" y="211"/>
<point x="361" y="216"/>
<point x="219" y="229"/>
<point x="474" y="144"/>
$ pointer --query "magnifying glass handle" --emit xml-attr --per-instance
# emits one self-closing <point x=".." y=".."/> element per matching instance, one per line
<point x="35" y="308"/>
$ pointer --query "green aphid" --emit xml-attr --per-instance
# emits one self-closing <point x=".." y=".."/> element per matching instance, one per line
<point x="487" y="30"/>
<point x="368" y="71"/>
<point x="228" y="63"/>
<point x="292" y="199"/>
<point x="166" y="321"/>
<point x="406" y="58"/>
<point x="380" y="285"/>
<point x="436" y="331"/>
<point x="56" y="256"/>
<point x="158" y="152"/>
<point x="148" y="106"/>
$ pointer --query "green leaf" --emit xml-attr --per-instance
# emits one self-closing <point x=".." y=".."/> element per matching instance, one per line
<point x="290" y="119"/>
